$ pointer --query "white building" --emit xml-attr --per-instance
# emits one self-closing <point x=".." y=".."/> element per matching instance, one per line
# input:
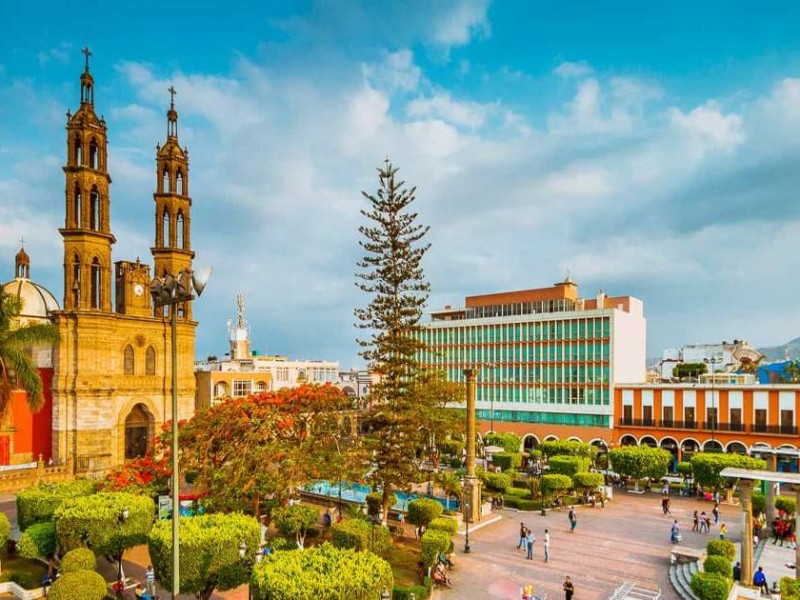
<point x="722" y="355"/>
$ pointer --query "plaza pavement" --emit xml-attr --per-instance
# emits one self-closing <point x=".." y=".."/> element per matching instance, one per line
<point x="628" y="540"/>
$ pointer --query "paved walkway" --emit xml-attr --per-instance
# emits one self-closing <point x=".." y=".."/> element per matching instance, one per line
<point x="628" y="540"/>
<point x="774" y="560"/>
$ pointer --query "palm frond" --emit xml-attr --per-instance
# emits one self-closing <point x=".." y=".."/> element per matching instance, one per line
<point x="26" y="375"/>
<point x="32" y="334"/>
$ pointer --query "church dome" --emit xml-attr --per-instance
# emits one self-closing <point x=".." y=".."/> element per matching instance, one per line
<point x="37" y="301"/>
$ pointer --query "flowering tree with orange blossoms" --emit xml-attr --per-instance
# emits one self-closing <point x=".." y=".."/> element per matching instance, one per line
<point x="248" y="450"/>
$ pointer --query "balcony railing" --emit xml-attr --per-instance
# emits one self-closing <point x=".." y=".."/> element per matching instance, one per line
<point x="709" y="426"/>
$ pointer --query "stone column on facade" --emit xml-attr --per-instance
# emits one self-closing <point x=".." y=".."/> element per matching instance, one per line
<point x="746" y="487"/>
<point x="769" y="500"/>
<point x="471" y="506"/>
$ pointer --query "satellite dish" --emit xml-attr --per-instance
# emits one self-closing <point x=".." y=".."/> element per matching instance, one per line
<point x="747" y="356"/>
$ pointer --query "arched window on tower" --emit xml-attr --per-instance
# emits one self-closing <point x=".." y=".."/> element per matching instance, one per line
<point x="76" y="215"/>
<point x="165" y="181"/>
<point x="95" y="288"/>
<point x="94" y="209"/>
<point x="76" y="280"/>
<point x="128" y="365"/>
<point x="78" y="150"/>
<point x="165" y="229"/>
<point x="150" y="361"/>
<point x="179" y="239"/>
<point x="93" y="158"/>
<point x="179" y="181"/>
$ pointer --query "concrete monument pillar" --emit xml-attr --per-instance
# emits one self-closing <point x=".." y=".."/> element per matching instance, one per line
<point x="471" y="502"/>
<point x="769" y="500"/>
<point x="746" y="487"/>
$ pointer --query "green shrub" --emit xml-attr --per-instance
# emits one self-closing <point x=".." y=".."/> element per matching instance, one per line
<point x="706" y="467"/>
<point x="360" y="535"/>
<point x="37" y="504"/>
<point x="422" y="511"/>
<point x="507" y="460"/>
<point x="444" y="524"/>
<point x="718" y="564"/>
<point x="79" y="559"/>
<point x="38" y="541"/>
<point x="96" y="521"/>
<point x="640" y="461"/>
<point x="567" y="447"/>
<point x="529" y="505"/>
<point x="374" y="502"/>
<point x="434" y="543"/>
<point x="452" y="447"/>
<point x="321" y="572"/>
<point x="281" y="543"/>
<point x="296" y="520"/>
<point x="209" y="551"/>
<point x="497" y="482"/>
<point x="455" y="463"/>
<point x="521" y="483"/>
<point x="568" y="465"/>
<point x="519" y="492"/>
<point x="5" y="529"/>
<point x="759" y="503"/>
<point x="710" y="586"/>
<point x="24" y="580"/>
<point x="510" y="442"/>
<point x="790" y="588"/>
<point x="510" y="501"/>
<point x="555" y="482"/>
<point x="685" y="468"/>
<point x="80" y="585"/>
<point x="724" y="548"/>
<point x="401" y="592"/>
<point x="786" y="504"/>
<point x="587" y="481"/>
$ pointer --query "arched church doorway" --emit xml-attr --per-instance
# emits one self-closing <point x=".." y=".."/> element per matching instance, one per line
<point x="139" y="427"/>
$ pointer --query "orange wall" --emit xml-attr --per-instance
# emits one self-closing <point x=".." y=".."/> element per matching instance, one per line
<point x="543" y="430"/>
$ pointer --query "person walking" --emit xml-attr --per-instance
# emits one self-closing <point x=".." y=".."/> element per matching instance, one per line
<point x="675" y="533"/>
<point x="569" y="588"/>
<point x="546" y="545"/>
<point x="715" y="512"/>
<point x="760" y="581"/>
<point x="530" y="541"/>
<point x="669" y="503"/>
<point x="523" y="534"/>
<point x="695" y="522"/>
<point x="723" y="531"/>
<point x="150" y="580"/>
<point x="573" y="519"/>
<point x="703" y="522"/>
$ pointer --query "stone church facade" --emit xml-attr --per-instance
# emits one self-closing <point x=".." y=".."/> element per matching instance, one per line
<point x="112" y="372"/>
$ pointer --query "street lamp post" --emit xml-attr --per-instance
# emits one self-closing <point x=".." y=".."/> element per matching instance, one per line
<point x="248" y="565"/>
<point x="467" y="514"/>
<point x="377" y="519"/>
<point x="713" y="362"/>
<point x="171" y="291"/>
<point x="541" y="483"/>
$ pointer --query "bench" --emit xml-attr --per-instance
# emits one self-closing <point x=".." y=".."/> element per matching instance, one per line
<point x="683" y="554"/>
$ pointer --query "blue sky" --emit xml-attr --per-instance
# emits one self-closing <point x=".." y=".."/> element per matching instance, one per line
<point x="651" y="151"/>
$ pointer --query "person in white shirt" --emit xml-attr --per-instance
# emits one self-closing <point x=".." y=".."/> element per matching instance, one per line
<point x="546" y="545"/>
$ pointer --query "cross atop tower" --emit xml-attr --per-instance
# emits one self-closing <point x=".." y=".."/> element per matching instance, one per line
<point x="172" y="93"/>
<point x="22" y="243"/>
<point x="86" y="53"/>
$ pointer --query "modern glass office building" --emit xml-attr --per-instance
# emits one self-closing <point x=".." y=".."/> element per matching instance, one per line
<point x="547" y="359"/>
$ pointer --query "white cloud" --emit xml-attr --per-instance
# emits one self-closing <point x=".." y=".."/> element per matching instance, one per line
<point x="466" y="114"/>
<point x="396" y="71"/>
<point x="573" y="69"/>
<point x="708" y="128"/>
<point x="465" y="20"/>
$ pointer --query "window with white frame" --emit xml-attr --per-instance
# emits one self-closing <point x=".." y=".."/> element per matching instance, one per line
<point x="242" y="387"/>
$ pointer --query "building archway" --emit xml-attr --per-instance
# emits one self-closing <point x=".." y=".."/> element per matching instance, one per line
<point x="736" y="448"/>
<point x="529" y="442"/>
<point x="648" y="440"/>
<point x="628" y="440"/>
<point x="712" y="446"/>
<point x="671" y="445"/>
<point x="688" y="447"/>
<point x="139" y="429"/>
<point x="551" y="438"/>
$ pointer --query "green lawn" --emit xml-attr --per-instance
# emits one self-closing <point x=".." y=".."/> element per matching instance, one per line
<point x="27" y="573"/>
<point x="404" y="556"/>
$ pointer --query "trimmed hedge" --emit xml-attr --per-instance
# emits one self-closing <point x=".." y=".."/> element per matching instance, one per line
<point x="519" y="492"/>
<point x="759" y="503"/>
<point x="710" y="586"/>
<point x="588" y="480"/>
<point x="37" y="504"/>
<point x="786" y="504"/>
<point x="402" y="592"/>
<point x="80" y="585"/>
<point x="209" y="551"/>
<point x="555" y="482"/>
<point x="790" y="588"/>
<point x="510" y="442"/>
<point x="79" y="559"/>
<point x="5" y="528"/>
<point x="569" y="465"/>
<point x="685" y="468"/>
<point x="507" y="460"/>
<point x="321" y="572"/>
<point x="359" y="535"/>
<point x="422" y="511"/>
<point x="718" y="564"/>
<point x="496" y="482"/>
<point x="567" y="447"/>
<point x="96" y="522"/>
<point x="444" y="524"/>
<point x="434" y="543"/>
<point x="38" y="541"/>
<point x="724" y="548"/>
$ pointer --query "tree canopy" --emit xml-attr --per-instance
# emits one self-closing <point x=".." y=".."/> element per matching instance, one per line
<point x="706" y="467"/>
<point x="509" y="442"/>
<point x="209" y="552"/>
<point x="296" y="520"/>
<point x="567" y="447"/>
<point x="640" y="461"/>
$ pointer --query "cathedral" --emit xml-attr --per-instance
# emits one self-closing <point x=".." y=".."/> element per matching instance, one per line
<point x="111" y="371"/>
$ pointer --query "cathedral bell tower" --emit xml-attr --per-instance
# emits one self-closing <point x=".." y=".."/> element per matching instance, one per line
<point x="173" y="248"/>
<point x="87" y="227"/>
